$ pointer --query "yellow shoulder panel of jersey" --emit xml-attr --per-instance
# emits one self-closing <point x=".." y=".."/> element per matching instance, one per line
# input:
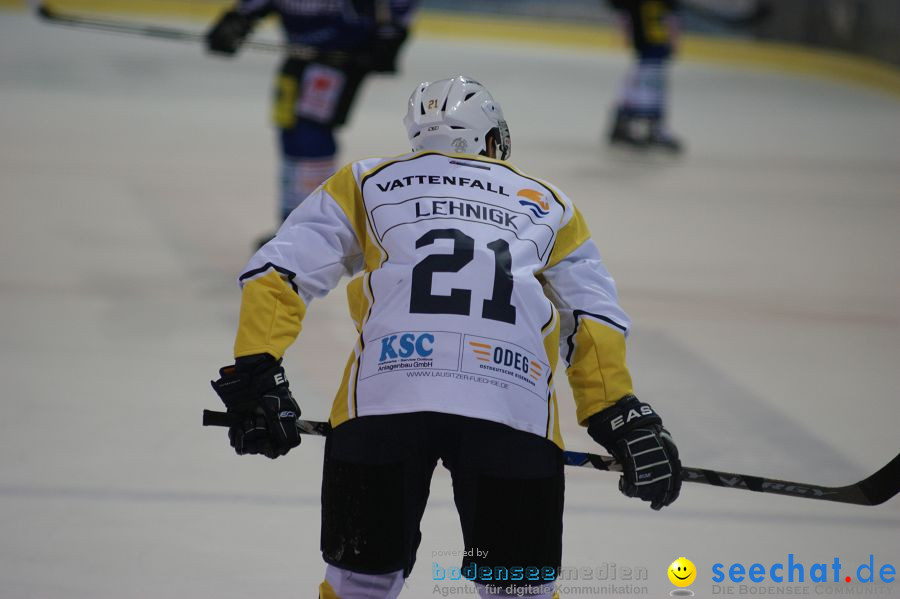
<point x="271" y="313"/>
<point x="342" y="187"/>
<point x="597" y="372"/>
<point x="570" y="237"/>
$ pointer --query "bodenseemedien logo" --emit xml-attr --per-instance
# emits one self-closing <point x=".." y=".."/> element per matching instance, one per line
<point x="682" y="573"/>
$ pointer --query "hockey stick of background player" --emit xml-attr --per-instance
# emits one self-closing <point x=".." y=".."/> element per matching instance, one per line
<point x="752" y="15"/>
<point x="180" y="35"/>
<point x="873" y="490"/>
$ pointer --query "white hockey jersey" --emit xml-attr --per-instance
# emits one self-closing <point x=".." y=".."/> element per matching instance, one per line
<point x="474" y="278"/>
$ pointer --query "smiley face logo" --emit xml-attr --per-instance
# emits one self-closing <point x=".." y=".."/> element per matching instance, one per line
<point x="682" y="572"/>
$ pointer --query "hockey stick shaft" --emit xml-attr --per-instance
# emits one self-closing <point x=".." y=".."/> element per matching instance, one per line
<point x="753" y="15"/>
<point x="306" y="427"/>
<point x="873" y="490"/>
<point x="173" y="34"/>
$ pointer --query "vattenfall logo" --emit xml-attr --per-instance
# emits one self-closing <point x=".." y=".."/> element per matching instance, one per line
<point x="534" y="201"/>
<point x="406" y="345"/>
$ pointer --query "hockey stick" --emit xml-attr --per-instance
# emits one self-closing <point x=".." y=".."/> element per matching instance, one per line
<point x="873" y="490"/>
<point x="181" y="35"/>
<point x="306" y="427"/>
<point x="753" y="15"/>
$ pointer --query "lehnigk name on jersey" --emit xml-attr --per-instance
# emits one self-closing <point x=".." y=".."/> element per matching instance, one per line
<point x="441" y="180"/>
<point x="466" y="210"/>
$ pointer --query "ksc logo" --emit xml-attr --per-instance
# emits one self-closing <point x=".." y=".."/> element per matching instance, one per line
<point x="406" y="345"/>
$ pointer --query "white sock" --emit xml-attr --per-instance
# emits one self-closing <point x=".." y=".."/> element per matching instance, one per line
<point x="351" y="585"/>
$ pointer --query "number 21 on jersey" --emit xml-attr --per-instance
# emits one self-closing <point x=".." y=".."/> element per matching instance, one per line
<point x="423" y="301"/>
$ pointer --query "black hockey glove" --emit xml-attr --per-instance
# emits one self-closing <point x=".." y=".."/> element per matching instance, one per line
<point x="385" y="46"/>
<point x="255" y="390"/>
<point x="633" y="433"/>
<point x="229" y="32"/>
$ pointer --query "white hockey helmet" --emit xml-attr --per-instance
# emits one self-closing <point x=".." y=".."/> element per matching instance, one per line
<point x="455" y="115"/>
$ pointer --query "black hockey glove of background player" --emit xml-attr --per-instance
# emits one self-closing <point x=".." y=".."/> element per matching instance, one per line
<point x="229" y="32"/>
<point x="255" y="390"/>
<point x="633" y="433"/>
<point x="385" y="46"/>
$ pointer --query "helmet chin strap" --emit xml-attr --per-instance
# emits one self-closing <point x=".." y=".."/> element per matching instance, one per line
<point x="493" y="143"/>
<point x="490" y="147"/>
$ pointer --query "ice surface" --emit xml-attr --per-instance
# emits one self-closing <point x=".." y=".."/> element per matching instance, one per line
<point x="761" y="272"/>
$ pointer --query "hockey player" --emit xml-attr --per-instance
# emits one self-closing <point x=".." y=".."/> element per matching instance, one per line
<point x="471" y="279"/>
<point x="313" y="96"/>
<point x="639" y="119"/>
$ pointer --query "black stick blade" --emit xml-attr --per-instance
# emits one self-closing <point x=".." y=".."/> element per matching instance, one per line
<point x="873" y="490"/>
<point x="882" y="485"/>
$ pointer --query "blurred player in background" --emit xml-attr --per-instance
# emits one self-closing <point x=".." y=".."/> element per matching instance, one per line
<point x="313" y="97"/>
<point x="639" y="120"/>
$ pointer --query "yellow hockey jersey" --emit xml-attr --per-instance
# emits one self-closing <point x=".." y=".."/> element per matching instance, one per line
<point x="473" y="278"/>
